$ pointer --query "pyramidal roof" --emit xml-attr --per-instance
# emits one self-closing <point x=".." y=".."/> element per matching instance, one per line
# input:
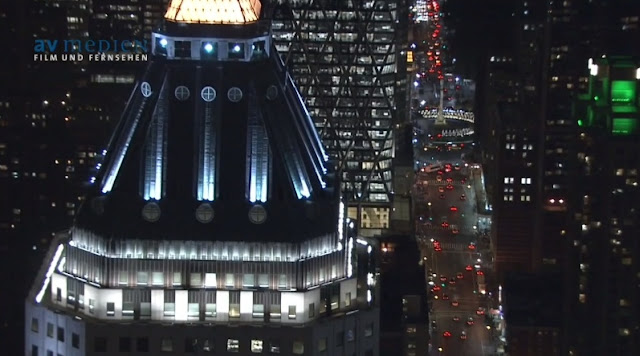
<point x="215" y="142"/>
<point x="214" y="11"/>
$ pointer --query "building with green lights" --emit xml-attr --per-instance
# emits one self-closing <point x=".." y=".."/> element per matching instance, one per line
<point x="603" y="262"/>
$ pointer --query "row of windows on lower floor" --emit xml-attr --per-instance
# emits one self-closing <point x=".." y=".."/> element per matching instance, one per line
<point x="193" y="345"/>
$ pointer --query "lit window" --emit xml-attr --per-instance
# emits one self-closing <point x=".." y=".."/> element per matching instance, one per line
<point x="292" y="312"/>
<point x="411" y="330"/>
<point x="195" y="280"/>
<point x="157" y="278"/>
<point x="619" y="172"/>
<point x="263" y="280"/>
<point x="177" y="278"/>
<point x="143" y="278"/>
<point x="233" y="345"/>
<point x="249" y="280"/>
<point x="298" y="348"/>
<point x="256" y="346"/>
<point x="229" y="280"/>
<point x="210" y="280"/>
<point x="193" y="310"/>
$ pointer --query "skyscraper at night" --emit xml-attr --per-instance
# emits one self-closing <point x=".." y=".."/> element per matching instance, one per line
<point x="214" y="223"/>
<point x="348" y="60"/>
<point x="604" y="259"/>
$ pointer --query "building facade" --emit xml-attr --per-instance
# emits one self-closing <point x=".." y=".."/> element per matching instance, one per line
<point x="605" y="254"/>
<point x="348" y="59"/>
<point x="213" y="223"/>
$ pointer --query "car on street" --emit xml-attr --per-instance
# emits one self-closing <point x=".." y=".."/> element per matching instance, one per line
<point x="463" y="197"/>
<point x="472" y="246"/>
<point x="439" y="178"/>
<point x="453" y="208"/>
<point x="441" y="196"/>
<point x="463" y="180"/>
<point x="459" y="275"/>
<point x="463" y="335"/>
<point x="455" y="303"/>
<point x="449" y="180"/>
<point x="445" y="224"/>
<point x="445" y="297"/>
<point x="450" y="187"/>
<point x="470" y="321"/>
<point x="480" y="311"/>
<point x="441" y="189"/>
<point x="456" y="318"/>
<point x="436" y="288"/>
<point x="446" y="334"/>
<point x="454" y="229"/>
<point x="443" y="278"/>
<point x="468" y="268"/>
<point x="452" y="281"/>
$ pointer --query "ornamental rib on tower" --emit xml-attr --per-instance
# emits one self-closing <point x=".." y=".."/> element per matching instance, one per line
<point x="214" y="210"/>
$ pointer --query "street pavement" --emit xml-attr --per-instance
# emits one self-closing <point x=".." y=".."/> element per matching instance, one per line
<point x="453" y="259"/>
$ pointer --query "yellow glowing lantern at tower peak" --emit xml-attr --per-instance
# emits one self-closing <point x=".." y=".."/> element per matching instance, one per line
<point x="214" y="11"/>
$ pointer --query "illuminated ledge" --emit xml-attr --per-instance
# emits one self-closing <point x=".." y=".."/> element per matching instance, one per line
<point x="205" y="250"/>
<point x="214" y="11"/>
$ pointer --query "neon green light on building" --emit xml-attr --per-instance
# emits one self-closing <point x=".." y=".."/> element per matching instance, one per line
<point x="580" y="123"/>
<point x="624" y="126"/>
<point x="623" y="91"/>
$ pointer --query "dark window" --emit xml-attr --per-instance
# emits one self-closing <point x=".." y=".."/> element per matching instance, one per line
<point x="368" y="353"/>
<point x="350" y="335"/>
<point x="34" y="350"/>
<point x="125" y="344"/>
<point x="100" y="344"/>
<point x="34" y="325"/>
<point x="183" y="49"/>
<point x="111" y="309"/>
<point x="75" y="340"/>
<point x="190" y="345"/>
<point x="49" y="353"/>
<point x="312" y="310"/>
<point x="340" y="338"/>
<point x="49" y="330"/>
<point x="142" y="344"/>
<point x="60" y="334"/>
<point x="58" y="295"/>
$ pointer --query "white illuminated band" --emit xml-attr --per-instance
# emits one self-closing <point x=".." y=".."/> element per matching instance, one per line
<point x="214" y="11"/>
<point x="52" y="267"/>
<point x="259" y="162"/>
<point x="208" y="161"/>
<point x="120" y="153"/>
<point x="156" y="150"/>
<point x="350" y="258"/>
<point x="341" y="221"/>
<point x="318" y="149"/>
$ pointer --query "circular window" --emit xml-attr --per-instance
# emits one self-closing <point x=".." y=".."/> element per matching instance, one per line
<point x="234" y="94"/>
<point x="182" y="93"/>
<point x="208" y="94"/>
<point x="145" y="89"/>
<point x="151" y="212"/>
<point x="272" y="92"/>
<point x="97" y="204"/>
<point x="204" y="213"/>
<point x="257" y="214"/>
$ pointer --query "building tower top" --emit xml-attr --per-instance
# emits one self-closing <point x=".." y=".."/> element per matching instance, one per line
<point x="218" y="12"/>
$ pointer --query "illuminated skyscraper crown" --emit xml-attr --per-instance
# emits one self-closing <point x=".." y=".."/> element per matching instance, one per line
<point x="214" y="11"/>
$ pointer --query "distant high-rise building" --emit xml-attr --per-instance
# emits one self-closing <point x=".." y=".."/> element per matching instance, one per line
<point x="213" y="224"/>
<point x="605" y="251"/>
<point x="348" y="59"/>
